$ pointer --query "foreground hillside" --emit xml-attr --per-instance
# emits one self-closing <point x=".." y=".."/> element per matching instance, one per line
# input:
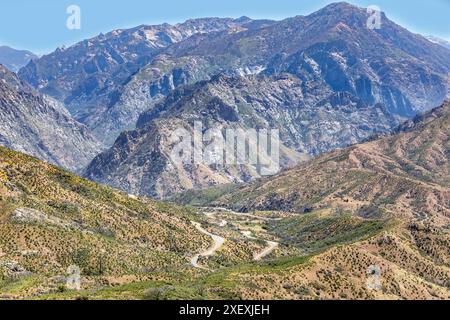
<point x="89" y="77"/>
<point x="140" y="163"/>
<point x="51" y="219"/>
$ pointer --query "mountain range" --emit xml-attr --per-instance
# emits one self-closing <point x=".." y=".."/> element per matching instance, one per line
<point x="89" y="77"/>
<point x="328" y="82"/>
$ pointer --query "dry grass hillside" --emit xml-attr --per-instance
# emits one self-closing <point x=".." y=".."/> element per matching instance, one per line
<point x="51" y="219"/>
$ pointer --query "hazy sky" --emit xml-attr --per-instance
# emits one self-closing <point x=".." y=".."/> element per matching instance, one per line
<point x="40" y="26"/>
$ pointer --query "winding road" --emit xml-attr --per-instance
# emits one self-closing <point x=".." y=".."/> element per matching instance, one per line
<point x="218" y="241"/>
<point x="268" y="250"/>
<point x="214" y="211"/>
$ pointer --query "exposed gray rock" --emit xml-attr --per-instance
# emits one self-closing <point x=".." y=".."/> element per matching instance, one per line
<point x="332" y="47"/>
<point x="32" y="216"/>
<point x="40" y="126"/>
<point x="89" y="76"/>
<point x="309" y="124"/>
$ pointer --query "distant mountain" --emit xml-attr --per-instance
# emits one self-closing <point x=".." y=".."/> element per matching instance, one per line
<point x="439" y="41"/>
<point x="107" y="81"/>
<point x="334" y="41"/>
<point x="89" y="76"/>
<point x="324" y="80"/>
<point x="40" y="126"/>
<point x="15" y="59"/>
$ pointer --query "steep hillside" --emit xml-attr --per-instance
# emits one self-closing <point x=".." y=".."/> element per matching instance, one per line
<point x="51" y="219"/>
<point x="366" y="222"/>
<point x="40" y="126"/>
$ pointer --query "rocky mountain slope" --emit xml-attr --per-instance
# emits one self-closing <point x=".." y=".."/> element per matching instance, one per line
<point x="15" y="59"/>
<point x="40" y="126"/>
<point x="309" y="124"/>
<point x="89" y="76"/>
<point x="367" y="218"/>
<point x="333" y="47"/>
<point x="375" y="227"/>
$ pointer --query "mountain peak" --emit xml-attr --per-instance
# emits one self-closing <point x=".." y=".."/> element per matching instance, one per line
<point x="243" y="19"/>
<point x="341" y="12"/>
<point x="15" y="59"/>
<point x="339" y="6"/>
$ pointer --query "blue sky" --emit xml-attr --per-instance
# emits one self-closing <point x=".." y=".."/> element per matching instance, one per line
<point x="40" y="26"/>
